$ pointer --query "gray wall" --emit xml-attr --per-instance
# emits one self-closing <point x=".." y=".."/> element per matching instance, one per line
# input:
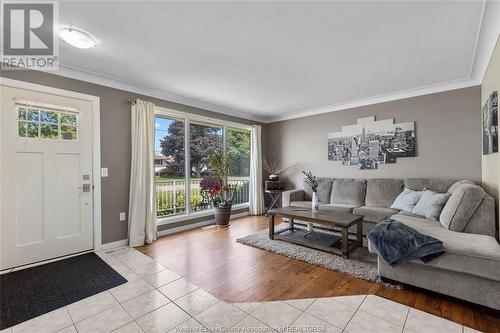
<point x="115" y="141"/>
<point x="448" y="132"/>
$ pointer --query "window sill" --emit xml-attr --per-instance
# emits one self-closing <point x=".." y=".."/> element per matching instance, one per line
<point x="208" y="212"/>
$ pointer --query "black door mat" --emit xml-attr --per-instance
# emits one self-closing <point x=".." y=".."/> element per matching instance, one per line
<point x="34" y="291"/>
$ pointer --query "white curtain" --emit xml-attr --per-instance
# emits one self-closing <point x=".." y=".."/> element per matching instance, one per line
<point x="142" y="211"/>
<point x="255" y="187"/>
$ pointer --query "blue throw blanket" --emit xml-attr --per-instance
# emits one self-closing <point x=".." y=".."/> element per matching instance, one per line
<point x="396" y="243"/>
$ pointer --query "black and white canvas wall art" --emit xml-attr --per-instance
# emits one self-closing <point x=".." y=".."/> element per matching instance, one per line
<point x="370" y="142"/>
<point x="490" y="124"/>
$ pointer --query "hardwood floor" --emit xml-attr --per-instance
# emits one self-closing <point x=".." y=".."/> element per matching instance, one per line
<point x="212" y="259"/>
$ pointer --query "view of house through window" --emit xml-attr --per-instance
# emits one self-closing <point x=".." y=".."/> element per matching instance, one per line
<point x="205" y="139"/>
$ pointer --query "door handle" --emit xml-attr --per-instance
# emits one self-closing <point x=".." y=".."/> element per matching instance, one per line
<point x="85" y="187"/>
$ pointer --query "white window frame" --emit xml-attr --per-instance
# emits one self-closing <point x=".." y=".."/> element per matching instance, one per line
<point x="188" y="118"/>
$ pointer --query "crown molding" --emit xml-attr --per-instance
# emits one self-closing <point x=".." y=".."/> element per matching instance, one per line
<point x="91" y="77"/>
<point x="432" y="89"/>
<point x="488" y="35"/>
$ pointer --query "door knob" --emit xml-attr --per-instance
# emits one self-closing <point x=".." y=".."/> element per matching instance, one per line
<point x="85" y="187"/>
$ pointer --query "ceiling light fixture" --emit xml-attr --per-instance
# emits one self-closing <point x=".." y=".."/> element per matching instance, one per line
<point x="77" y="38"/>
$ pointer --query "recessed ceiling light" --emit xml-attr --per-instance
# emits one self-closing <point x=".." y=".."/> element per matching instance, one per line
<point x="77" y="38"/>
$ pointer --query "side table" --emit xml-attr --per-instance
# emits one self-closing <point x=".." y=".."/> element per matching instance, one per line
<point x="274" y="195"/>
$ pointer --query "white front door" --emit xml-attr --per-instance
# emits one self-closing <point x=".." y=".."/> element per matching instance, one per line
<point x="46" y="176"/>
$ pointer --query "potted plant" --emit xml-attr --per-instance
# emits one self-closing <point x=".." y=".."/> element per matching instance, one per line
<point x="218" y="189"/>
<point x="312" y="181"/>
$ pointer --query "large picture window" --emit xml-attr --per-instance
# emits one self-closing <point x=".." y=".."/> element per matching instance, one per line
<point x="177" y="186"/>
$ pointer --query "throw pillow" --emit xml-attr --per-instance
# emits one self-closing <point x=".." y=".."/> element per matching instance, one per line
<point x="431" y="204"/>
<point x="462" y="204"/>
<point x="407" y="200"/>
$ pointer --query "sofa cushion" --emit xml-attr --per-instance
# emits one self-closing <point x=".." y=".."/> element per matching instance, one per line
<point x="437" y="185"/>
<point x="431" y="204"/>
<point x="483" y="221"/>
<point x="477" y="255"/>
<point x="305" y="204"/>
<point x="324" y="190"/>
<point x="407" y="200"/>
<point x="374" y="214"/>
<point x="464" y="200"/>
<point x="338" y="208"/>
<point x="348" y="191"/>
<point x="456" y="184"/>
<point x="292" y="195"/>
<point x="410" y="214"/>
<point x="382" y="192"/>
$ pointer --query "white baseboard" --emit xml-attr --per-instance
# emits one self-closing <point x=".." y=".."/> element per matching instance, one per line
<point x="195" y="225"/>
<point x="114" y="245"/>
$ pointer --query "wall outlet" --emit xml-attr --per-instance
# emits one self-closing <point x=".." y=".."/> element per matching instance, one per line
<point x="104" y="172"/>
<point x="122" y="216"/>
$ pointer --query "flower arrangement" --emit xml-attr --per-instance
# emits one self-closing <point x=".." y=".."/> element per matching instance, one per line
<point x="216" y="187"/>
<point x="311" y="180"/>
<point x="211" y="185"/>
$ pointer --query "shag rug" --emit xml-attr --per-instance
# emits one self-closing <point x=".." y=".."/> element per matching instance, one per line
<point x="361" y="263"/>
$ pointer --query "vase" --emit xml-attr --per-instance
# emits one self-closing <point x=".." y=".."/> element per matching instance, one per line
<point x="315" y="202"/>
<point x="222" y="216"/>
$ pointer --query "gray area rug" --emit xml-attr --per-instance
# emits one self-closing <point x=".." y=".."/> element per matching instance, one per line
<point x="361" y="263"/>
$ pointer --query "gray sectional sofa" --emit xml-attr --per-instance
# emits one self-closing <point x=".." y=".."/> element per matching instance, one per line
<point x="470" y="268"/>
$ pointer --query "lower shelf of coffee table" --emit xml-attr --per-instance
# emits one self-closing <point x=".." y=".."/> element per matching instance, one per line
<point x="316" y="240"/>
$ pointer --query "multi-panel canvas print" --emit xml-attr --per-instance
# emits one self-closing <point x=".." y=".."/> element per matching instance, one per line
<point x="371" y="142"/>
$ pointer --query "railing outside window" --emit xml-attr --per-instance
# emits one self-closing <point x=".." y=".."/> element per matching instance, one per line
<point x="171" y="195"/>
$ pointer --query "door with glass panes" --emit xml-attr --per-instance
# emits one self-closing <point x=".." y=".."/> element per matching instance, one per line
<point x="46" y="170"/>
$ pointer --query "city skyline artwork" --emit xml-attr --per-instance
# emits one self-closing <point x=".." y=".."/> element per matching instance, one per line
<point x="370" y="142"/>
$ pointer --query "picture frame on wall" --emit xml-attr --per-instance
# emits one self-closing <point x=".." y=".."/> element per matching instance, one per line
<point x="490" y="124"/>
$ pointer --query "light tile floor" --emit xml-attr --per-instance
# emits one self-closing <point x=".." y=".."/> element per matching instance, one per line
<point x="157" y="299"/>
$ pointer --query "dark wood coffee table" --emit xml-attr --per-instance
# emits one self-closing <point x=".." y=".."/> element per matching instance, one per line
<point x="318" y="240"/>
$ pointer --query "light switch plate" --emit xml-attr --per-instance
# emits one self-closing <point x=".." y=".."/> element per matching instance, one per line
<point x="104" y="172"/>
<point x="122" y="216"/>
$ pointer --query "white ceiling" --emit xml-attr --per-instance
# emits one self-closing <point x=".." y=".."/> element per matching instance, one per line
<point x="275" y="60"/>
